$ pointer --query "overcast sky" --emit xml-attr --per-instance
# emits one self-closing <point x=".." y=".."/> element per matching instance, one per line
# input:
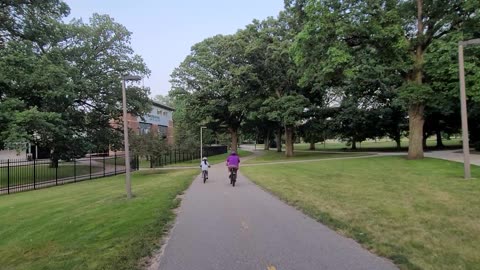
<point x="164" y="31"/>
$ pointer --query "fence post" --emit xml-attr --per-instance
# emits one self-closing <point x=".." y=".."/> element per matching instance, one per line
<point x="56" y="173"/>
<point x="34" y="174"/>
<point x="90" y="167"/>
<point x="8" y="176"/>
<point x="74" y="170"/>
<point x="115" y="163"/>
<point x="103" y="165"/>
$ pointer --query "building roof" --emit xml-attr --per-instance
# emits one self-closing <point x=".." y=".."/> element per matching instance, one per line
<point x="163" y="106"/>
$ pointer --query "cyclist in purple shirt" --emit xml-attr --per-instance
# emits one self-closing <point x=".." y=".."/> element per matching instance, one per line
<point x="233" y="161"/>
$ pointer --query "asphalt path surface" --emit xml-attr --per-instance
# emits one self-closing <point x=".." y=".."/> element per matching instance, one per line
<point x="245" y="228"/>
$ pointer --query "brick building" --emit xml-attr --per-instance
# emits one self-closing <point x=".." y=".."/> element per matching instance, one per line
<point x="159" y="121"/>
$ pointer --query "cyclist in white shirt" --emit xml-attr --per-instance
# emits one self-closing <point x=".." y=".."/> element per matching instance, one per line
<point x="205" y="165"/>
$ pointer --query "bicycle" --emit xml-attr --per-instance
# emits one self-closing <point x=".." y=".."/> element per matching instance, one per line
<point x="205" y="176"/>
<point x="233" y="176"/>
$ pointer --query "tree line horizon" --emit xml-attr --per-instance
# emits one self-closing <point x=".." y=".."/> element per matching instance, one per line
<point x="389" y="67"/>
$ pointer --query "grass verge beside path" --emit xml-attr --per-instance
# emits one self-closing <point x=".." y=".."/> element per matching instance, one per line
<point x="212" y="159"/>
<point x="89" y="225"/>
<point x="272" y="156"/>
<point x="421" y="214"/>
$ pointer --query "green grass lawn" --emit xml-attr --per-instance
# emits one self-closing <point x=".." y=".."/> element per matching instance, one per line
<point x="212" y="159"/>
<point x="120" y="161"/>
<point x="272" y="156"/>
<point x="24" y="174"/>
<point x="379" y="144"/>
<point x="369" y="145"/>
<point x="89" y="225"/>
<point x="421" y="214"/>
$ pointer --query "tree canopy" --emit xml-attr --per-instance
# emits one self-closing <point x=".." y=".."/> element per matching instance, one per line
<point x="370" y="67"/>
<point x="60" y="83"/>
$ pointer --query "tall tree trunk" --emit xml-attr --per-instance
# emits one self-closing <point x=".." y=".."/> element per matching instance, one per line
<point x="53" y="158"/>
<point x="266" y="141"/>
<point x="289" y="141"/>
<point x="398" y="142"/>
<point x="354" y="144"/>
<point x="312" y="146"/>
<point x="416" y="121"/>
<point x="234" y="135"/>
<point x="439" y="139"/>
<point x="279" y="140"/>
<point x="424" y="141"/>
<point x="54" y="163"/>
<point x="415" y="110"/>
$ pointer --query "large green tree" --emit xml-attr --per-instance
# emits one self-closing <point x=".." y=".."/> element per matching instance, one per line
<point x="425" y="21"/>
<point x="341" y="54"/>
<point x="60" y="83"/>
<point x="395" y="34"/>
<point x="284" y="100"/>
<point x="217" y="83"/>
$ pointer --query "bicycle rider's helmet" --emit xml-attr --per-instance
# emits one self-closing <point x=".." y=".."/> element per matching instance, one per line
<point x="233" y="152"/>
<point x="204" y="158"/>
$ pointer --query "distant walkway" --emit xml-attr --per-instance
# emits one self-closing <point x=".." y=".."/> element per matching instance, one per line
<point x="243" y="227"/>
<point x="453" y="155"/>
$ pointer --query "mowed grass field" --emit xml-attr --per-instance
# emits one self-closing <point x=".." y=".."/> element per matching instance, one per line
<point x="274" y="156"/>
<point x="89" y="225"/>
<point x="420" y="214"/>
<point x="382" y="144"/>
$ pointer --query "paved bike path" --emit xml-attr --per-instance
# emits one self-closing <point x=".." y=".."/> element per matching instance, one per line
<point x="245" y="228"/>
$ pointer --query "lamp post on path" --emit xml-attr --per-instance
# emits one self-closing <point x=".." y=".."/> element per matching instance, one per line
<point x="201" y="143"/>
<point x="463" y="104"/>
<point x="128" y="185"/>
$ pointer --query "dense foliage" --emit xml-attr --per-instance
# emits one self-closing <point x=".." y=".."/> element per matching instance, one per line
<point x="354" y="70"/>
<point x="60" y="83"/>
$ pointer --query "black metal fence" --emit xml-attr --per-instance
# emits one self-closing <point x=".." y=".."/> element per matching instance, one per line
<point x="175" y="156"/>
<point x="22" y="175"/>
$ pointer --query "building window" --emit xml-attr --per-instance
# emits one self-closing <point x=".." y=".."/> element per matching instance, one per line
<point x="145" y="128"/>
<point x="162" y="130"/>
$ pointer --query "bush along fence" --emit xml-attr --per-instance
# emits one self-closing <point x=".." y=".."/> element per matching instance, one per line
<point x="174" y="156"/>
<point x="22" y="175"/>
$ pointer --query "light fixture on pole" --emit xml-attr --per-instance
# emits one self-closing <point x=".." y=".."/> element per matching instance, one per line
<point x="128" y="185"/>
<point x="201" y="142"/>
<point x="463" y="104"/>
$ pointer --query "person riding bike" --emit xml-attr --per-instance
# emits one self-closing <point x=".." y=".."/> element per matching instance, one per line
<point x="233" y="161"/>
<point x="205" y="165"/>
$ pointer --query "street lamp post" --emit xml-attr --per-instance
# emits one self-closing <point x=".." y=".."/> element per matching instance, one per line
<point x="201" y="142"/>
<point x="128" y="185"/>
<point x="324" y="132"/>
<point x="463" y="104"/>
